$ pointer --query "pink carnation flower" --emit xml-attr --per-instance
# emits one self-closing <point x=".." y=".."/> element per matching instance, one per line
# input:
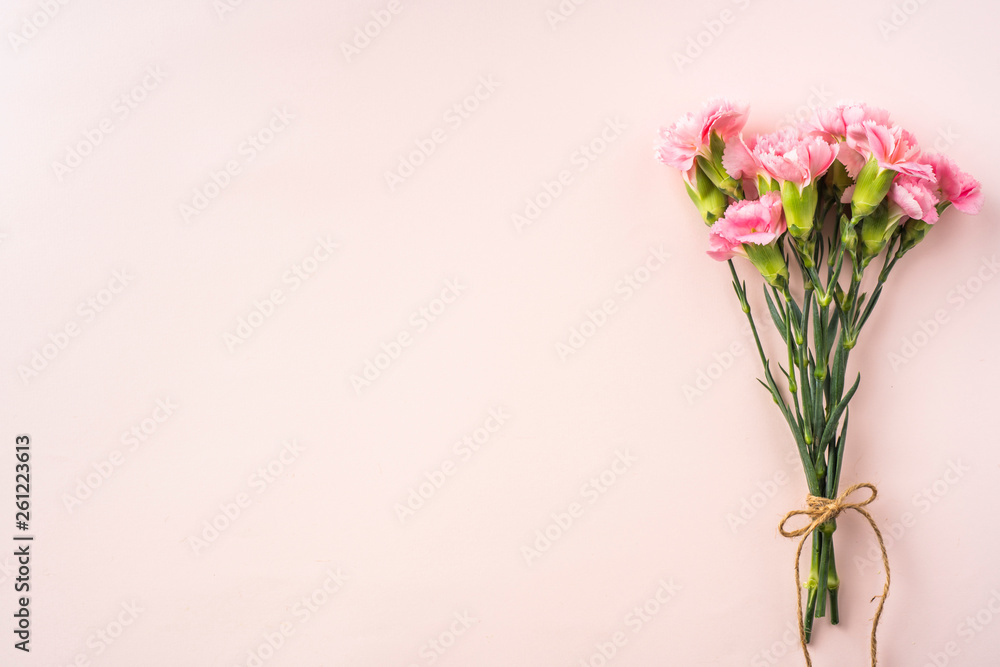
<point x="722" y="248"/>
<point x="891" y="146"/>
<point x="832" y="124"/>
<point x="757" y="221"/>
<point x="956" y="186"/>
<point x="738" y="159"/>
<point x="691" y="135"/>
<point x="913" y="198"/>
<point x="785" y="155"/>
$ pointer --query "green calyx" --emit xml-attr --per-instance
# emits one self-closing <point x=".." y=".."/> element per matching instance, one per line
<point x="712" y="166"/>
<point x="876" y="231"/>
<point x="914" y="232"/>
<point x="848" y="234"/>
<point x="800" y="207"/>
<point x="770" y="263"/>
<point x="709" y="200"/>
<point x="871" y="188"/>
<point x="766" y="184"/>
<point x="837" y="176"/>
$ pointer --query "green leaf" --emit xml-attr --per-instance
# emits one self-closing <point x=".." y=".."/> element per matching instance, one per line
<point x="779" y="321"/>
<point x="794" y="307"/>
<point x="831" y="335"/>
<point x="739" y="296"/>
<point x="831" y="423"/>
<point x="833" y="480"/>
<point x="837" y="373"/>
<point x="817" y="411"/>
<point x="871" y="305"/>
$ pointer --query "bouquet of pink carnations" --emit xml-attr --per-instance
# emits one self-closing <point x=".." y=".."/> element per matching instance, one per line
<point x="811" y="207"/>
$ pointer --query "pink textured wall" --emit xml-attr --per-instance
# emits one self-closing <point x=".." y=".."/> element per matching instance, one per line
<point x="218" y="213"/>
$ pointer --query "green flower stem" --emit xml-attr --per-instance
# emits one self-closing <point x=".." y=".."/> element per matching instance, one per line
<point x="808" y="381"/>
<point x="824" y="566"/>
<point x="833" y="585"/>
<point x="772" y="387"/>
<point x="815" y="405"/>
<point x="812" y="584"/>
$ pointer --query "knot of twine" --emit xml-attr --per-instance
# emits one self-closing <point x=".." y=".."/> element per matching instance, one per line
<point x="820" y="510"/>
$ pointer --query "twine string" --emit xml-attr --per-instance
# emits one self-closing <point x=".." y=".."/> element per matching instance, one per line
<point x="819" y="511"/>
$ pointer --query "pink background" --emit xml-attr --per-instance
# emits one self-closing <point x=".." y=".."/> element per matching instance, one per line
<point x="923" y="426"/>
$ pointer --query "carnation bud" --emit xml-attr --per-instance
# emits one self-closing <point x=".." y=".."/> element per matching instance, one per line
<point x="914" y="232"/>
<point x="876" y="230"/>
<point x="770" y="263"/>
<point x="872" y="186"/>
<point x="710" y="201"/>
<point x="800" y="207"/>
<point x="838" y="177"/>
<point x="712" y="166"/>
<point x="848" y="235"/>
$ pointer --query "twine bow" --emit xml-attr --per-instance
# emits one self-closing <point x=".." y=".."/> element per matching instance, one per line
<point x="819" y="511"/>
